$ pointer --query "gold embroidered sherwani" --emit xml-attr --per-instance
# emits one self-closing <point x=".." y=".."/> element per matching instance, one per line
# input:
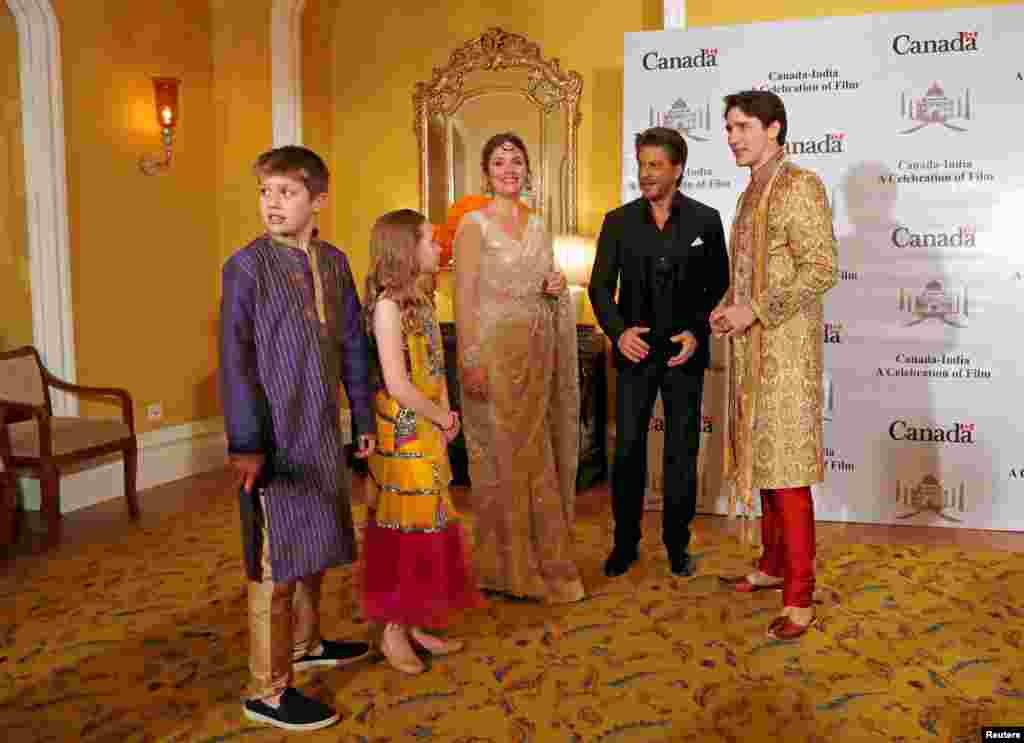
<point x="784" y="260"/>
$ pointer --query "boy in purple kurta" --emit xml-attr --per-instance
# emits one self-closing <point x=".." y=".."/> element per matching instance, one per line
<point x="291" y="331"/>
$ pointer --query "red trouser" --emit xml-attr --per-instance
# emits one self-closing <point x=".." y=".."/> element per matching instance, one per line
<point x="787" y="530"/>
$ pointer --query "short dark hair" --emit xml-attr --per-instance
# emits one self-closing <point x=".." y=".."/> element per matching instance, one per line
<point x="669" y="140"/>
<point x="762" y="105"/>
<point x="499" y="139"/>
<point x="295" y="160"/>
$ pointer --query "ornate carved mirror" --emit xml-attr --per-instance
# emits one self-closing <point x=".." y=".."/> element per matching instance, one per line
<point x="494" y="83"/>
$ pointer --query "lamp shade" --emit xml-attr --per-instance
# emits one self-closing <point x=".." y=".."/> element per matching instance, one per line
<point x="575" y="257"/>
<point x="165" y="94"/>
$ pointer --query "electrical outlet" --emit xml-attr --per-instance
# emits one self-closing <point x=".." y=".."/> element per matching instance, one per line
<point x="155" y="411"/>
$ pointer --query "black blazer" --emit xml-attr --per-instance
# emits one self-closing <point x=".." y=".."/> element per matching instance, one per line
<point x="629" y="241"/>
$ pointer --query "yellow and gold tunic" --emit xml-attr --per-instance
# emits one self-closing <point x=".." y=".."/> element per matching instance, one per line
<point x="417" y="570"/>
<point x="784" y="260"/>
<point x="410" y="465"/>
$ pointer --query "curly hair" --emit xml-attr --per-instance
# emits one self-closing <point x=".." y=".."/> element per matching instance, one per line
<point x="394" y="268"/>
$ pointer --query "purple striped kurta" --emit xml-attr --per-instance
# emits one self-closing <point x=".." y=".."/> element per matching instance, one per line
<point x="280" y="371"/>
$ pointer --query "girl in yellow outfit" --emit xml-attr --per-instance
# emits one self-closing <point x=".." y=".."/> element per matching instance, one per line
<point x="416" y="566"/>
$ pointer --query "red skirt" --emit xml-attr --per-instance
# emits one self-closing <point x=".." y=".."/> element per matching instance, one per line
<point x="417" y="578"/>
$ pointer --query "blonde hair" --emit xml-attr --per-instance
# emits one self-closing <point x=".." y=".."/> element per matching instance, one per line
<point x="395" y="268"/>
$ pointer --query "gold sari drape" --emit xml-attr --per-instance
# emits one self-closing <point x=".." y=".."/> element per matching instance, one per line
<point x="522" y="440"/>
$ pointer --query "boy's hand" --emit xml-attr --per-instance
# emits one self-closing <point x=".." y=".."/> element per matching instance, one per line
<point x="248" y="467"/>
<point x="367" y="445"/>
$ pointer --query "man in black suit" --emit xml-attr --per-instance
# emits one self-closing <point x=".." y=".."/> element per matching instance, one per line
<point x="666" y="252"/>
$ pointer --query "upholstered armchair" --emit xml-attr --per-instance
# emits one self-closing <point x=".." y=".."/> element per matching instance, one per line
<point x="41" y="443"/>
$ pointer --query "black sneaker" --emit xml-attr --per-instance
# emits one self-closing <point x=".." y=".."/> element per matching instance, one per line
<point x="619" y="562"/>
<point x="333" y="654"/>
<point x="297" y="712"/>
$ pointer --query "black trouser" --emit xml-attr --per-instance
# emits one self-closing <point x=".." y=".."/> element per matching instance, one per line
<point x="681" y="393"/>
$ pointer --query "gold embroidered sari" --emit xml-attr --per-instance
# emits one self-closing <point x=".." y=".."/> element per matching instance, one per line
<point x="523" y="440"/>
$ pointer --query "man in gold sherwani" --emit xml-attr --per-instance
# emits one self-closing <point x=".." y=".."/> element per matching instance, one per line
<point x="783" y="261"/>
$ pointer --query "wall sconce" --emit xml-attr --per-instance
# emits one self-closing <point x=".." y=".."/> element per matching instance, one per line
<point x="165" y="97"/>
<point x="574" y="255"/>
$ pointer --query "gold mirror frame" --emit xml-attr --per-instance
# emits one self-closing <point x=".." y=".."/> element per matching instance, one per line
<point x="547" y="87"/>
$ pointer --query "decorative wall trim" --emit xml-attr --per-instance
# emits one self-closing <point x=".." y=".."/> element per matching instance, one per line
<point x="286" y="70"/>
<point x="165" y="454"/>
<point x="42" y="116"/>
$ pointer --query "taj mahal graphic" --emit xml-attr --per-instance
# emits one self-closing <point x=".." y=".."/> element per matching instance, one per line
<point x="684" y="119"/>
<point x="930" y="495"/>
<point x="935" y="107"/>
<point x="935" y="302"/>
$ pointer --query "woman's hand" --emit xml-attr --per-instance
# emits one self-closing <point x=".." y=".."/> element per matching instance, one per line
<point x="554" y="283"/>
<point x="474" y="382"/>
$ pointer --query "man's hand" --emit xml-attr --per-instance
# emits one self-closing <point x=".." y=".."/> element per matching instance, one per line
<point x="719" y="325"/>
<point x="733" y="320"/>
<point x="474" y="382"/>
<point x="367" y="444"/>
<point x="690" y="344"/>
<point x="248" y="467"/>
<point x="634" y="347"/>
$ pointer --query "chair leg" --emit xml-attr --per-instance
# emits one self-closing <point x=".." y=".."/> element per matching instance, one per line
<point x="131" y="470"/>
<point x="8" y="511"/>
<point x="49" y="485"/>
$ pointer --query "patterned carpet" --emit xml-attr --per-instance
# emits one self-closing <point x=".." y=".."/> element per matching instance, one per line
<point x="145" y="640"/>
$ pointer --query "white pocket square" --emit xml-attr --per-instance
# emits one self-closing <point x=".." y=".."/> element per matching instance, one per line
<point x="697" y="242"/>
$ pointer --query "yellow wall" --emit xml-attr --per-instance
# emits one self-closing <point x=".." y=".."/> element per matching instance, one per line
<point x="244" y="125"/>
<point x="380" y="51"/>
<point x="146" y="252"/>
<point x="708" y="13"/>
<point x="318" y="22"/>
<point x="15" y="294"/>
<point x="143" y="249"/>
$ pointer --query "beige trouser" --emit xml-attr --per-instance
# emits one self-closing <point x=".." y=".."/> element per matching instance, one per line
<point x="284" y="624"/>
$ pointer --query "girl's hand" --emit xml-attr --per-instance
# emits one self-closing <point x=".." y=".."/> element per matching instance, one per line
<point x="452" y="429"/>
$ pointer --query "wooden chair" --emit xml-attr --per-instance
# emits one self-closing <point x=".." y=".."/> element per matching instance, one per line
<point x="41" y="443"/>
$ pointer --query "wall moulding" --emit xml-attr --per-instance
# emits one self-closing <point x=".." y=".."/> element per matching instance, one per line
<point x="42" y="113"/>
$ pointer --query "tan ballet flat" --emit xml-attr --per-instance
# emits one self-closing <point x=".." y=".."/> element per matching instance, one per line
<point x="436" y="645"/>
<point x="394" y="644"/>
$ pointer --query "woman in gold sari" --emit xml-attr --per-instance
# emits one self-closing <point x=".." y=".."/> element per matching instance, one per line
<point x="517" y="352"/>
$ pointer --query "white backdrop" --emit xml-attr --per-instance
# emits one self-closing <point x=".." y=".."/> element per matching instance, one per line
<point x="914" y="122"/>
